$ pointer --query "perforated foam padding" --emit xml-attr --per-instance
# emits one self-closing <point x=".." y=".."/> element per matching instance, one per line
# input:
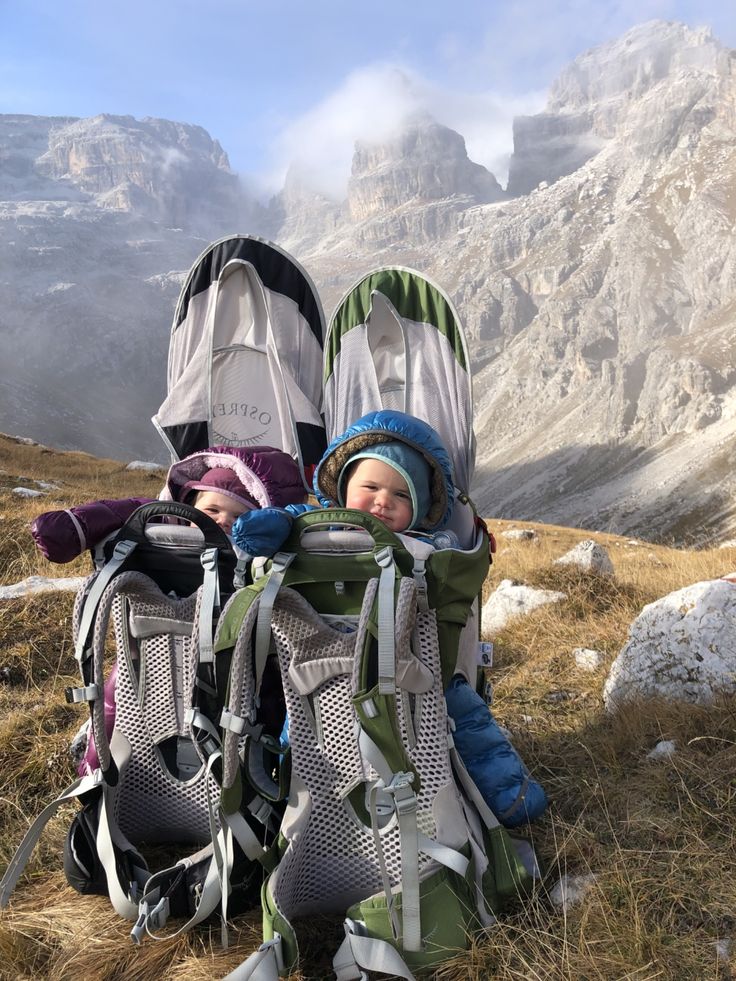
<point x="154" y="689"/>
<point x="333" y="861"/>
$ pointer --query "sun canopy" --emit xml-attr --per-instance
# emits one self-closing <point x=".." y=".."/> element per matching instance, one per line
<point x="245" y="355"/>
<point x="396" y="342"/>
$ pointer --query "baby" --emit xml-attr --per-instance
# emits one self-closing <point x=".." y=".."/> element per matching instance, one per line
<point x="394" y="467"/>
<point x="219" y="494"/>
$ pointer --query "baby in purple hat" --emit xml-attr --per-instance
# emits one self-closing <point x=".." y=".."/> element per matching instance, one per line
<point x="220" y="495"/>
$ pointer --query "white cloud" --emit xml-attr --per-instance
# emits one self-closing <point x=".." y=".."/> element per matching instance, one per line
<point x="372" y="104"/>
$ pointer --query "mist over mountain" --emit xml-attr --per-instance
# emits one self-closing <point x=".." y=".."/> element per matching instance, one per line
<point x="598" y="290"/>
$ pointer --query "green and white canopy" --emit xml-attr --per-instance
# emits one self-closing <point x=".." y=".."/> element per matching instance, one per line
<point x="395" y="341"/>
<point x="245" y="356"/>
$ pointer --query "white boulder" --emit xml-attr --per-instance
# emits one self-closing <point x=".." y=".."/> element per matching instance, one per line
<point x="681" y="647"/>
<point x="512" y="599"/>
<point x="590" y="556"/>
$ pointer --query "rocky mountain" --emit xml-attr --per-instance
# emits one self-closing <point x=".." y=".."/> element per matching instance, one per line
<point x="598" y="289"/>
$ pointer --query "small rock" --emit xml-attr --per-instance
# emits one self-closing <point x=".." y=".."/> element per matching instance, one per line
<point x="557" y="696"/>
<point x="587" y="659"/>
<point x="520" y="534"/>
<point x="144" y="465"/>
<point x="511" y="599"/>
<point x="590" y="556"/>
<point x="731" y="543"/>
<point x="663" y="750"/>
<point x="527" y="719"/>
<point x="571" y="890"/>
<point x="723" y="949"/>
<point x="26" y="492"/>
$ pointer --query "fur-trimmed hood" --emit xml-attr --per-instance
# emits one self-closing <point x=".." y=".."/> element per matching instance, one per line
<point x="269" y="475"/>
<point x="384" y="426"/>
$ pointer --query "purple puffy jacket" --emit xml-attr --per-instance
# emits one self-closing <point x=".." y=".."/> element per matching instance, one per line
<point x="269" y="475"/>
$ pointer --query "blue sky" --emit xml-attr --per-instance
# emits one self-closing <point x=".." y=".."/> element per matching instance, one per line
<point x="283" y="80"/>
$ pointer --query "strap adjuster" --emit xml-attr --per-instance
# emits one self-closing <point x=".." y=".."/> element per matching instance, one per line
<point x="90" y="693"/>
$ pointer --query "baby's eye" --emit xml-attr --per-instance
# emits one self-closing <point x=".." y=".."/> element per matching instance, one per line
<point x="404" y="495"/>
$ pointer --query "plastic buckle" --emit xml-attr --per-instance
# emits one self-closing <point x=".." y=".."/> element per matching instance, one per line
<point x="278" y="950"/>
<point x="158" y="916"/>
<point x="139" y="927"/>
<point x="399" y="781"/>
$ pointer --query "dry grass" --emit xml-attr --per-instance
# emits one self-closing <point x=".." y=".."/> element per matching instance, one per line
<point x="659" y="837"/>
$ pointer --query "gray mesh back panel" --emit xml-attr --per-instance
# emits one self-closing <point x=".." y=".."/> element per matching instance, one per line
<point x="154" y="689"/>
<point x="332" y="862"/>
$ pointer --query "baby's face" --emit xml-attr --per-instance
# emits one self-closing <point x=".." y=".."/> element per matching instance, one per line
<point x="378" y="489"/>
<point x="222" y="509"/>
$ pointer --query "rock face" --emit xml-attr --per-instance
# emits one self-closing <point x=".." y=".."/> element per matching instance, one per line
<point x="681" y="647"/>
<point x="99" y="221"/>
<point x="425" y="162"/>
<point x="598" y="292"/>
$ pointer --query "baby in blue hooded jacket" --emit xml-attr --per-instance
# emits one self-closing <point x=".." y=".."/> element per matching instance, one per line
<point x="394" y="467"/>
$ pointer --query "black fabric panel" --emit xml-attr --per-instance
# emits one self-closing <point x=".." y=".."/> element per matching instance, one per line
<point x="188" y="437"/>
<point x="312" y="441"/>
<point x="277" y="272"/>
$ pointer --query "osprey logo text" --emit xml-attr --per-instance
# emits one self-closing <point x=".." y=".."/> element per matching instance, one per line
<point x="239" y="423"/>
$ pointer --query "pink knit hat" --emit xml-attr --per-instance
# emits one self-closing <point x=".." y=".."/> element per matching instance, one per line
<point x="221" y="480"/>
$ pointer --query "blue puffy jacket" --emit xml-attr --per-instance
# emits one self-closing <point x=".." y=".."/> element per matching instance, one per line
<point x="496" y="768"/>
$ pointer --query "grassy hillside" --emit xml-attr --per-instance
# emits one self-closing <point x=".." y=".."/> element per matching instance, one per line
<point x="658" y="836"/>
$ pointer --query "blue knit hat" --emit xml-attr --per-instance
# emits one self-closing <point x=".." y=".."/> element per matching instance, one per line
<point x="409" y="464"/>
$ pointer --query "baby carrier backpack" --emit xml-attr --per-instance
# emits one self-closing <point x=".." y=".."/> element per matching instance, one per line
<point x="383" y="824"/>
<point x="161" y="587"/>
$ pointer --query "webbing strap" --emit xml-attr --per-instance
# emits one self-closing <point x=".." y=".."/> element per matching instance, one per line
<point x="210" y="603"/>
<point x="265" y="964"/>
<point x="23" y="852"/>
<point x="468" y="784"/>
<point x="358" y="954"/>
<point x="280" y="563"/>
<point x="121" y="901"/>
<point x="196" y="719"/>
<point x="449" y="857"/>
<point x="405" y="801"/>
<point x="398" y="785"/>
<point x="120" y="553"/>
<point x="390" y="898"/>
<point x="386" y="636"/>
<point x="245" y="837"/>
